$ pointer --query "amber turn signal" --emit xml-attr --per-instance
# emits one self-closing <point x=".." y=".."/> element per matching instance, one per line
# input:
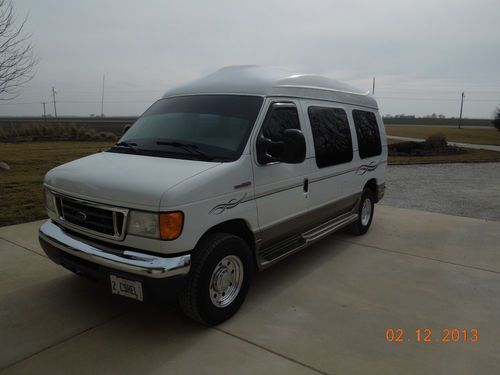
<point x="171" y="225"/>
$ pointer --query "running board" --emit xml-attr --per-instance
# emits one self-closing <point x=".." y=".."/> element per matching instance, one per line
<point x="289" y="246"/>
<point x="280" y="249"/>
<point x="328" y="227"/>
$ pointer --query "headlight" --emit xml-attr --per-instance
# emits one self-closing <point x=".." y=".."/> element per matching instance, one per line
<point x="164" y="226"/>
<point x="143" y="224"/>
<point x="49" y="201"/>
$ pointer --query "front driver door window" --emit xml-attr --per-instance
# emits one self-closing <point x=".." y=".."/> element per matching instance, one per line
<point x="280" y="117"/>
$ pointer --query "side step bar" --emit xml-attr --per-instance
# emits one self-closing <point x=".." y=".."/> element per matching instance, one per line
<point x="282" y="249"/>
<point x="328" y="227"/>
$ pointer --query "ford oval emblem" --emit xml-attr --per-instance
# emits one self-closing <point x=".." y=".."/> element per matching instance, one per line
<point x="81" y="216"/>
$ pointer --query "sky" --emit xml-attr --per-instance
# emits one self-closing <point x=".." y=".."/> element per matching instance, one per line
<point x="423" y="53"/>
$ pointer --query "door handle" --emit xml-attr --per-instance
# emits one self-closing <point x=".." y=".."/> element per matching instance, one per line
<point x="306" y="185"/>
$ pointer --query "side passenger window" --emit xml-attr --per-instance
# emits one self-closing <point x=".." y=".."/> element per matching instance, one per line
<point x="367" y="132"/>
<point x="331" y="134"/>
<point x="280" y="117"/>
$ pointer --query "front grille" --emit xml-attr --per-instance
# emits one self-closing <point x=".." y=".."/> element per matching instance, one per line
<point x="91" y="217"/>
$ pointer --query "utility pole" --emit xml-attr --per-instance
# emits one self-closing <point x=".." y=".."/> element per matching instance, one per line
<point x="373" y="86"/>
<point x="102" y="97"/>
<point x="54" y="99"/>
<point x="461" y="108"/>
<point x="44" y="112"/>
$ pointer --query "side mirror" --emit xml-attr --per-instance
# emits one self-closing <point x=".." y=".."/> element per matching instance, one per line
<point x="294" y="147"/>
<point x="126" y="128"/>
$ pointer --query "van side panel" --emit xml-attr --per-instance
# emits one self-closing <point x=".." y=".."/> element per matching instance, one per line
<point x="327" y="198"/>
<point x="365" y="169"/>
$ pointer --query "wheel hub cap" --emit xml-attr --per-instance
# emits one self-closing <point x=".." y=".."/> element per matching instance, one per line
<point x="226" y="281"/>
<point x="222" y="280"/>
<point x="366" y="211"/>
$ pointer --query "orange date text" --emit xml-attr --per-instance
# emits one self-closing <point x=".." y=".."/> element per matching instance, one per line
<point x="427" y="335"/>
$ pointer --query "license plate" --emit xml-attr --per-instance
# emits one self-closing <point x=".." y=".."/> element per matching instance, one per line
<point x="127" y="288"/>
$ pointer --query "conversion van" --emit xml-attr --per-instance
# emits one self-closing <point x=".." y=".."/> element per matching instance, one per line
<point x="221" y="177"/>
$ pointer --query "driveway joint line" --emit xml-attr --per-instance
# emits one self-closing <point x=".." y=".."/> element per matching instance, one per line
<point x="62" y="341"/>
<point x="272" y="351"/>
<point x="422" y="257"/>
<point x="24" y="247"/>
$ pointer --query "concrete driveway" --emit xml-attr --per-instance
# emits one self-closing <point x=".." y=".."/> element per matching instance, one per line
<point x="325" y="310"/>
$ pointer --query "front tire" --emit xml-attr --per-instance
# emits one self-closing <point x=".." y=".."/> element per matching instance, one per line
<point x="365" y="213"/>
<point x="219" y="279"/>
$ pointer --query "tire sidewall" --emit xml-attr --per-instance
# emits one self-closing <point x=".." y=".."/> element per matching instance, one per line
<point x="367" y="193"/>
<point x="235" y="246"/>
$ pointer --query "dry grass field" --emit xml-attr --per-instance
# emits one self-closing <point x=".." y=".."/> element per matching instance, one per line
<point x="468" y="135"/>
<point x="21" y="193"/>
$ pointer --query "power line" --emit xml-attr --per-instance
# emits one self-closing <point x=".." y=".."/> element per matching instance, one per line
<point x="435" y="99"/>
<point x="19" y="103"/>
<point x="75" y="101"/>
<point x="83" y="102"/>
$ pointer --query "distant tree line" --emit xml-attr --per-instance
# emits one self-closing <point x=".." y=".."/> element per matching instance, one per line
<point x="496" y="120"/>
<point x="404" y="116"/>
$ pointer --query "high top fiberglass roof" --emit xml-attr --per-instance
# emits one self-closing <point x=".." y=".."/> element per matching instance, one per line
<point x="263" y="81"/>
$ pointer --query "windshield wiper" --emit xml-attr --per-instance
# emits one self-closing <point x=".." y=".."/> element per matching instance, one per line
<point x="129" y="145"/>
<point x="192" y="149"/>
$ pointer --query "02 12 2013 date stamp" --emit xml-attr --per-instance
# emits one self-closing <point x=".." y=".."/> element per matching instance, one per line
<point x="428" y="335"/>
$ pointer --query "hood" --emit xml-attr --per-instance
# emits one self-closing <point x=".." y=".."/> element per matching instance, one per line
<point x="134" y="181"/>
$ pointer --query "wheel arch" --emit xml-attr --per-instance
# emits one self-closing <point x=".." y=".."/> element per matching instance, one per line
<point x="236" y="227"/>
<point x="373" y="186"/>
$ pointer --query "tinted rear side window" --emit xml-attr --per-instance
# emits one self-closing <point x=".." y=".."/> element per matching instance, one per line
<point x="367" y="132"/>
<point x="331" y="134"/>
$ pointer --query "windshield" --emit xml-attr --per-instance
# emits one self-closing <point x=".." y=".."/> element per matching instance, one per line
<point x="201" y="127"/>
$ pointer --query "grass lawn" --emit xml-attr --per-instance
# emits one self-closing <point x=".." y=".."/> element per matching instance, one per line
<point x="21" y="193"/>
<point x="477" y="136"/>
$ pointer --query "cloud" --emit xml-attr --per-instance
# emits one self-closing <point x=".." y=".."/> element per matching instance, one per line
<point x="435" y="48"/>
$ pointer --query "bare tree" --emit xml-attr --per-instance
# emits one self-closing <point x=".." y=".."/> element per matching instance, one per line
<point x="17" y="56"/>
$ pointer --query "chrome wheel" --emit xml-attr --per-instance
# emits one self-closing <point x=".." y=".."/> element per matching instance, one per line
<point x="226" y="281"/>
<point x="366" y="212"/>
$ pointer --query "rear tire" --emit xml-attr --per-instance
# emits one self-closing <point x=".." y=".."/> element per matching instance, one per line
<point x="365" y="213"/>
<point x="219" y="278"/>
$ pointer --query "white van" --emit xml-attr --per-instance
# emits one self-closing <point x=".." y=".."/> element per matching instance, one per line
<point x="221" y="177"/>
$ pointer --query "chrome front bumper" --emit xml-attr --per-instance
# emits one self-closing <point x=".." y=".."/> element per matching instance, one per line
<point x="130" y="261"/>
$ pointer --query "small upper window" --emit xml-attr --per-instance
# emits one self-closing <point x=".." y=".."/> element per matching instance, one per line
<point x="367" y="132"/>
<point x="331" y="134"/>
<point x="281" y="116"/>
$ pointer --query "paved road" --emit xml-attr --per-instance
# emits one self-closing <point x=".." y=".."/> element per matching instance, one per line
<point x="463" y="189"/>
<point x="325" y="310"/>
<point x="458" y="144"/>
